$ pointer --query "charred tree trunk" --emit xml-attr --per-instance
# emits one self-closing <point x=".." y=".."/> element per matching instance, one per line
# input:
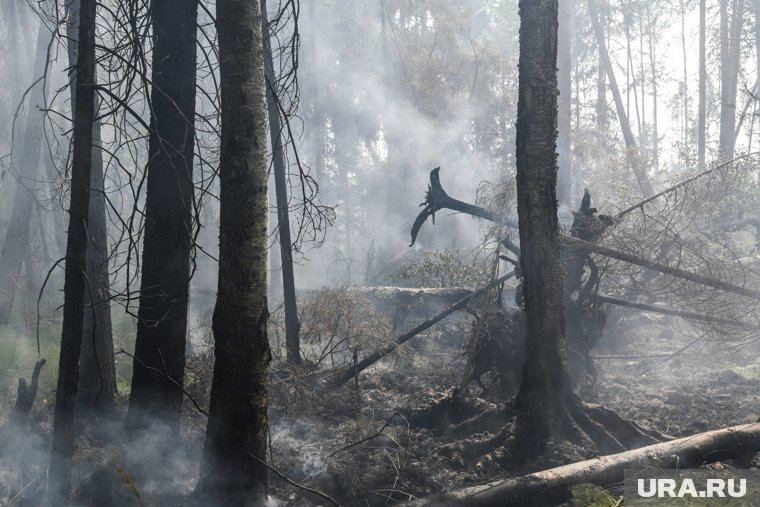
<point x="76" y="263"/>
<point x="97" y="380"/>
<point x="159" y="361"/>
<point x="545" y="385"/>
<point x="292" y="326"/>
<point x="233" y="470"/>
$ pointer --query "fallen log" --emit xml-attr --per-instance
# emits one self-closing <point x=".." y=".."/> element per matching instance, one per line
<point x="550" y="487"/>
<point x="348" y="373"/>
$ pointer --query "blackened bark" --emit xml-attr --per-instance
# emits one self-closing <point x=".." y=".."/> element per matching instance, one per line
<point x="159" y="362"/>
<point x="545" y="381"/>
<point x="233" y="470"/>
<point x="59" y="484"/>
<point x="97" y="379"/>
<point x="292" y="325"/>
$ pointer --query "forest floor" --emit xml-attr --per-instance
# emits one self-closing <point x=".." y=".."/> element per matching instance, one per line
<point x="401" y="432"/>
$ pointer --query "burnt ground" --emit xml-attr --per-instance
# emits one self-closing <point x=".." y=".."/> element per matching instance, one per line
<point x="404" y="432"/>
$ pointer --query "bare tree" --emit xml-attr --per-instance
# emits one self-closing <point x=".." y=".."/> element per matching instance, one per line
<point x="159" y="360"/>
<point x="97" y="382"/>
<point x="76" y="262"/>
<point x="634" y="156"/>
<point x="16" y="245"/>
<point x="292" y="326"/>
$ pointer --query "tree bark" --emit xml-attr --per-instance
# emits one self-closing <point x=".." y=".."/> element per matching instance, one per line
<point x="233" y="470"/>
<point x="59" y="484"/>
<point x="97" y="380"/>
<point x="545" y="381"/>
<point x="564" y="134"/>
<point x="551" y="487"/>
<point x="634" y="156"/>
<point x="159" y="362"/>
<point x="292" y="325"/>
<point x="730" y="52"/>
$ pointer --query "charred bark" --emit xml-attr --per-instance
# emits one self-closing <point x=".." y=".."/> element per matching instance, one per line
<point x="76" y="263"/>
<point x="292" y="325"/>
<point x="545" y="386"/>
<point x="159" y="362"/>
<point x="97" y="380"/>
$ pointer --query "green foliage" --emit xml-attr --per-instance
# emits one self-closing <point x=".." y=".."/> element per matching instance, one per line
<point x="591" y="495"/>
<point x="440" y="269"/>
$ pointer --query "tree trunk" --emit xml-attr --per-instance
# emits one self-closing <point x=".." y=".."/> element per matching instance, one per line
<point x="16" y="246"/>
<point x="97" y="380"/>
<point x="702" y="114"/>
<point x="730" y="52"/>
<point x="685" y="149"/>
<point x="653" y="65"/>
<point x="552" y="487"/>
<point x="159" y="362"/>
<point x="545" y="381"/>
<point x="292" y="325"/>
<point x="76" y="263"/>
<point x="233" y="470"/>
<point x="634" y="156"/>
<point x="564" y="138"/>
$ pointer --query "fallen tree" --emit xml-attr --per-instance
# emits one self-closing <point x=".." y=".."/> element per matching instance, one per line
<point x="553" y="486"/>
<point x="344" y="375"/>
<point x="436" y="199"/>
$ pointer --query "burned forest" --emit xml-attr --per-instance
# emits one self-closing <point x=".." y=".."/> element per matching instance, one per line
<point x="379" y="252"/>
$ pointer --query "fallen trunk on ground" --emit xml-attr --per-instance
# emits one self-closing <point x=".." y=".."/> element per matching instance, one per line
<point x="348" y="373"/>
<point x="553" y="486"/>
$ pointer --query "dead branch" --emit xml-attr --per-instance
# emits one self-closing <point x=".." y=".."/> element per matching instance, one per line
<point x="553" y="486"/>
<point x="349" y="372"/>
<point x="436" y="199"/>
<point x="682" y="184"/>
<point x="587" y="247"/>
<point x="667" y="311"/>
